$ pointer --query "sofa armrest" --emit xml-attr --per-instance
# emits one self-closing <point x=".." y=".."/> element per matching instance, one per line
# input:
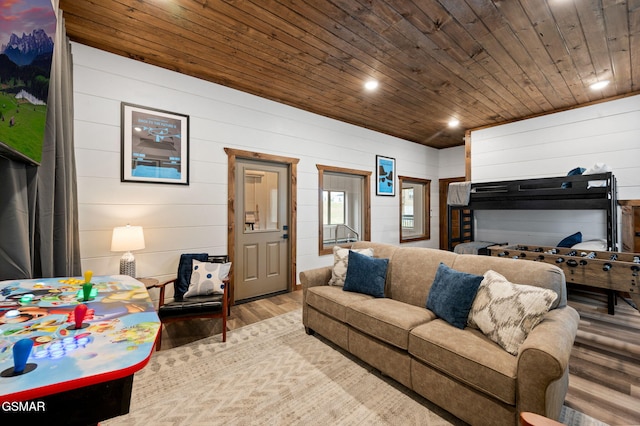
<point x="312" y="278"/>
<point x="315" y="277"/>
<point x="543" y="363"/>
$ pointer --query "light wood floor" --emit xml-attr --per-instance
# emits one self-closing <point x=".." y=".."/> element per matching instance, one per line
<point x="604" y="367"/>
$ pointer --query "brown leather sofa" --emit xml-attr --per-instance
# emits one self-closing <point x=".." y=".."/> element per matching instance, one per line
<point x="460" y="370"/>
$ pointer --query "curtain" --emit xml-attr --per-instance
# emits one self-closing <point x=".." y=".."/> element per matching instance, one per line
<point x="38" y="204"/>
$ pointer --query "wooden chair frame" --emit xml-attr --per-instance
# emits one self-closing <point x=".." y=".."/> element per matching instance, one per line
<point x="222" y="314"/>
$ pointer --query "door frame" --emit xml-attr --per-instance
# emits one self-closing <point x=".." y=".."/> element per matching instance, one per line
<point x="292" y="164"/>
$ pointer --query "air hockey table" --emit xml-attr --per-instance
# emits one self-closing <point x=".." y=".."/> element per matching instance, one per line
<point x="74" y="375"/>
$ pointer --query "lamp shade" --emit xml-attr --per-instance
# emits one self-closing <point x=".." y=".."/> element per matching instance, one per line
<point x="127" y="238"/>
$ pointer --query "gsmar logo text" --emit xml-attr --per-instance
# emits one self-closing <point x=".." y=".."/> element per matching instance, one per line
<point x="25" y="406"/>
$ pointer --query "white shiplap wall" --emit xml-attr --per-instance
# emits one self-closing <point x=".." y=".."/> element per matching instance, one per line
<point x="179" y="219"/>
<point x="552" y="145"/>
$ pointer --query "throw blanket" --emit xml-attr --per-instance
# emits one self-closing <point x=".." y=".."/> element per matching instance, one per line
<point x="459" y="193"/>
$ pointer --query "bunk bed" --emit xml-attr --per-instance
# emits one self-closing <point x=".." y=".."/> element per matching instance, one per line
<point x="577" y="192"/>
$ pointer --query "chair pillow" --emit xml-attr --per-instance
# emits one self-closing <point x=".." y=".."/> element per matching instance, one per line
<point x="206" y="278"/>
<point x="507" y="312"/>
<point x="366" y="274"/>
<point x="341" y="262"/>
<point x="452" y="294"/>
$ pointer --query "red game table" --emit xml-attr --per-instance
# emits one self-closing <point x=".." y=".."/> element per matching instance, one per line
<point x="79" y="376"/>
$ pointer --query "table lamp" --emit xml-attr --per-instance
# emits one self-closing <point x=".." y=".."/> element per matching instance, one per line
<point x="127" y="238"/>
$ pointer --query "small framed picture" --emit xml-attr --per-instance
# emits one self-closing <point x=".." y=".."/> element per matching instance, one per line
<point x="155" y="145"/>
<point x="385" y="175"/>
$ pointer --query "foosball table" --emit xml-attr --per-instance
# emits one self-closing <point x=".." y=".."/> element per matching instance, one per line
<point x="612" y="271"/>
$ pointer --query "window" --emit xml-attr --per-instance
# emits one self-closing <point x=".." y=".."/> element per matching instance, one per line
<point x="415" y="221"/>
<point x="344" y="206"/>
<point x="333" y="211"/>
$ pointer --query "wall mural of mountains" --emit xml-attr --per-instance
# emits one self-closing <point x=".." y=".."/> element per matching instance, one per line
<point x="26" y="51"/>
<point x="27" y="48"/>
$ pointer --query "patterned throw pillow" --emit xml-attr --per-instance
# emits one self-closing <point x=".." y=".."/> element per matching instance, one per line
<point x="507" y="312"/>
<point x="340" y="263"/>
<point x="206" y="278"/>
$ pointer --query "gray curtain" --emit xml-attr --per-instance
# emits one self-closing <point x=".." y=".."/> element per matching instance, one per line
<point x="38" y="204"/>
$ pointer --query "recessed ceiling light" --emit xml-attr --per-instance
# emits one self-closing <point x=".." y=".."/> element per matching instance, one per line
<point x="599" y="85"/>
<point x="454" y="122"/>
<point x="371" y="85"/>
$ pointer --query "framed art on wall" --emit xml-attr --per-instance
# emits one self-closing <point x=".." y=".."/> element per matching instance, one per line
<point x="385" y="175"/>
<point x="155" y="145"/>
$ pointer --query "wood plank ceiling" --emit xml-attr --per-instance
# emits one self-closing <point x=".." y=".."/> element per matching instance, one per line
<point x="482" y="62"/>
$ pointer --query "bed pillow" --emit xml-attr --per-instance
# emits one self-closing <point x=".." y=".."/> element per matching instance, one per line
<point x="506" y="312"/>
<point x="206" y="278"/>
<point x="341" y="262"/>
<point x="571" y="240"/>
<point x="452" y="294"/>
<point x="366" y="274"/>
<point x="597" y="245"/>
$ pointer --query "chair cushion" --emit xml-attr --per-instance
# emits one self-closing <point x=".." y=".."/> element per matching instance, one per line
<point x="185" y="266"/>
<point x="206" y="278"/>
<point x="190" y="306"/>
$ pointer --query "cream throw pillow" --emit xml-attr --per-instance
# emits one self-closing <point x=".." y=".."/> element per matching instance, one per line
<point x="206" y="278"/>
<point x="341" y="262"/>
<point x="507" y="312"/>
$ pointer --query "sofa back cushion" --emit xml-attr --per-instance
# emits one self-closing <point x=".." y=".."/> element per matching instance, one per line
<point x="380" y="250"/>
<point x="539" y="274"/>
<point x="413" y="270"/>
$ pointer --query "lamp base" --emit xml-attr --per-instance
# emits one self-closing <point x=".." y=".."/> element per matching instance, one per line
<point x="128" y="265"/>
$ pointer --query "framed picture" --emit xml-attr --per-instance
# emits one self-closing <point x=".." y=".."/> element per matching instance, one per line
<point x="155" y="145"/>
<point x="385" y="175"/>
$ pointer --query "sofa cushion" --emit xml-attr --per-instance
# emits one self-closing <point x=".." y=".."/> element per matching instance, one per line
<point x="507" y="312"/>
<point x="452" y="294"/>
<point x="341" y="263"/>
<point x="332" y="300"/>
<point x="387" y="319"/>
<point x="366" y="274"/>
<point x="411" y="273"/>
<point x="539" y="274"/>
<point x="467" y="355"/>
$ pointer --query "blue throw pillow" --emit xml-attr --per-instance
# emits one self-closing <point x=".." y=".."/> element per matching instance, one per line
<point x="571" y="240"/>
<point x="366" y="274"/>
<point x="452" y="294"/>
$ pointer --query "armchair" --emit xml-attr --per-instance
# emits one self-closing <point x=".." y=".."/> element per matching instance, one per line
<point x="188" y="302"/>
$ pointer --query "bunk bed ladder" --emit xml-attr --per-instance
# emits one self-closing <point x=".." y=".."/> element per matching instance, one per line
<point x="464" y="229"/>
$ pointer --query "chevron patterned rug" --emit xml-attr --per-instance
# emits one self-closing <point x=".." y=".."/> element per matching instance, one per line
<point x="272" y="373"/>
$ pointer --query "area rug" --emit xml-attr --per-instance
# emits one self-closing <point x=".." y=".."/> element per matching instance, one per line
<point x="273" y="373"/>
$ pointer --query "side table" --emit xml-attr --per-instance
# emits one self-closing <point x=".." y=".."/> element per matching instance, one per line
<point x="532" y="419"/>
<point x="148" y="282"/>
